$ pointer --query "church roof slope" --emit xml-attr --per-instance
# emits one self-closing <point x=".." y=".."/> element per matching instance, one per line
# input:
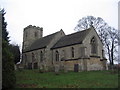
<point x="40" y="43"/>
<point x="71" y="39"/>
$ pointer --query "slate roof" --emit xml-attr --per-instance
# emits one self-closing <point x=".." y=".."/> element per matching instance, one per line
<point x="71" y="39"/>
<point x="40" y="43"/>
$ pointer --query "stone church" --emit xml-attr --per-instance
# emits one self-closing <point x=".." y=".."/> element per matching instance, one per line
<point x="79" y="51"/>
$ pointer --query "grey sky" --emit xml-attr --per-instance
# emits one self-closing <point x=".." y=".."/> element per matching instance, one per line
<point x="54" y="15"/>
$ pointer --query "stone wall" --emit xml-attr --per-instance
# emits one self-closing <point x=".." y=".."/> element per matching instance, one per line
<point x="49" y="52"/>
<point x="78" y="49"/>
<point x="36" y="58"/>
<point x="87" y="44"/>
<point x="67" y="52"/>
<point x="96" y="64"/>
<point x="83" y="64"/>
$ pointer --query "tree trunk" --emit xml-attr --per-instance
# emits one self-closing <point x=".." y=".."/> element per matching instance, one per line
<point x="112" y="53"/>
<point x="109" y="54"/>
<point x="112" y="63"/>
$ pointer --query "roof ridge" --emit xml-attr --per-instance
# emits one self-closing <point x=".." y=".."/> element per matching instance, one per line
<point x="51" y="34"/>
<point x="46" y="36"/>
<point x="72" y="39"/>
<point x="78" y="32"/>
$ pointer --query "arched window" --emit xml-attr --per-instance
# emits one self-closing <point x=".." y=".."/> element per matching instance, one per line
<point x="93" y="46"/>
<point x="33" y="57"/>
<point x="72" y="51"/>
<point x="41" y="56"/>
<point x="57" y="56"/>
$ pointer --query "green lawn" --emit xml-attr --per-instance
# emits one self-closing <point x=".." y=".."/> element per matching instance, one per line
<point x="91" y="79"/>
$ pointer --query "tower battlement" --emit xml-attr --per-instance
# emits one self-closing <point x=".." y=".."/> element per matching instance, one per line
<point x="33" y="27"/>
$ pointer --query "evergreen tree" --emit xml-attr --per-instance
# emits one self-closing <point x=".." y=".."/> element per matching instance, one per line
<point x="16" y="52"/>
<point x="8" y="75"/>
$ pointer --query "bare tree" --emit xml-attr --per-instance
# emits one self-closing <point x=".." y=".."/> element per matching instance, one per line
<point x="111" y="43"/>
<point x="107" y="34"/>
<point x="119" y="46"/>
<point x="98" y="23"/>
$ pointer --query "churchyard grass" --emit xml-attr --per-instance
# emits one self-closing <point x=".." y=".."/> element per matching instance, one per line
<point x="89" y="79"/>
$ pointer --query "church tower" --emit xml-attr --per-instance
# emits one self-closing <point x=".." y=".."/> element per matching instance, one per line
<point x="30" y="34"/>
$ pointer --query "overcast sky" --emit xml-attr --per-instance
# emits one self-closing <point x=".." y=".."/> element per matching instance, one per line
<point x="54" y="15"/>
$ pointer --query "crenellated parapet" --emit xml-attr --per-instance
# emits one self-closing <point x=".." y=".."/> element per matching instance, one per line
<point x="33" y="27"/>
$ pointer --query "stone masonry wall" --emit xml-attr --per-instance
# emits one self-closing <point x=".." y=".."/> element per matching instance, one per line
<point x="91" y="64"/>
<point x="87" y="44"/>
<point x="30" y="34"/>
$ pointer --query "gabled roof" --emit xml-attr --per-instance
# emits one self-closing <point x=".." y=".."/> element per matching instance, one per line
<point x="41" y="43"/>
<point x="71" y="39"/>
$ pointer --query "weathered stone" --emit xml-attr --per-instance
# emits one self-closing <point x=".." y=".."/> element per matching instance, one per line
<point x="66" y="59"/>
